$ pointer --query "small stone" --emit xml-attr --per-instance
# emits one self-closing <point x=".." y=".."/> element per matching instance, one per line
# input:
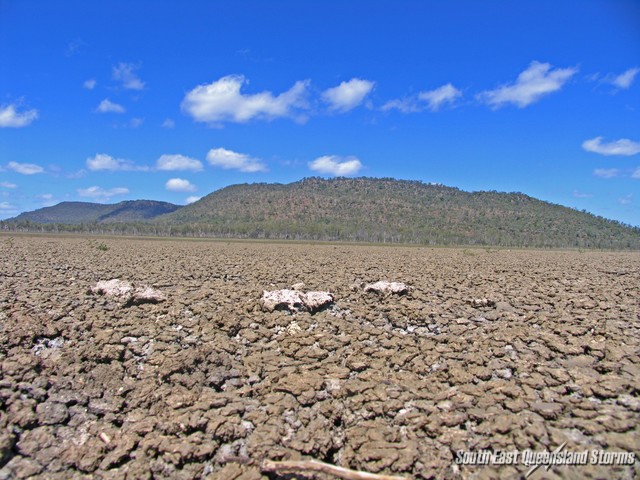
<point x="504" y="373"/>
<point x="547" y="410"/>
<point x="481" y="302"/>
<point x="52" y="413"/>
<point x="632" y="403"/>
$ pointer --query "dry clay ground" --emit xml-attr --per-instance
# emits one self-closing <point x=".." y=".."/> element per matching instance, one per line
<point x="206" y="384"/>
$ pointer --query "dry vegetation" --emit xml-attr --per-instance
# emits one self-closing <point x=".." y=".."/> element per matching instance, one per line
<point x="489" y="349"/>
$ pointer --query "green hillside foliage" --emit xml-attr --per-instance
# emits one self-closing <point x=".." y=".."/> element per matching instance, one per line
<point x="385" y="211"/>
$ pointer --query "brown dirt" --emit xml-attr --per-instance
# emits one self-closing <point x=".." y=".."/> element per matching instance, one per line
<point x="206" y="384"/>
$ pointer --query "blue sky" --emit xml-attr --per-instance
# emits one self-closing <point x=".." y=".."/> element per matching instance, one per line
<point x="167" y="100"/>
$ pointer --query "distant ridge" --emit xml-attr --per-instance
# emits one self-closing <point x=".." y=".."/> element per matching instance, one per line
<point x="74" y="213"/>
<point x="381" y="210"/>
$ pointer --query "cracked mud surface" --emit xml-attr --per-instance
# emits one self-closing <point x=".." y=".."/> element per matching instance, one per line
<point x="207" y="385"/>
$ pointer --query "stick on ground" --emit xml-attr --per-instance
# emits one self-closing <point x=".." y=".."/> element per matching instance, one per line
<point x="308" y="466"/>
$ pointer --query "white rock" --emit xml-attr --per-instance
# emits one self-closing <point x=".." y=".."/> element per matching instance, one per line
<point x="282" y="299"/>
<point x="387" y="287"/>
<point x="316" y="300"/>
<point x="147" y="294"/>
<point x="113" y="288"/>
<point x="125" y="292"/>
<point x="294" y="300"/>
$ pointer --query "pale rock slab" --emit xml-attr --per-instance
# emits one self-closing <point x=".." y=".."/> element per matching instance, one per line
<point x="386" y="288"/>
<point x="294" y="300"/>
<point x="126" y="293"/>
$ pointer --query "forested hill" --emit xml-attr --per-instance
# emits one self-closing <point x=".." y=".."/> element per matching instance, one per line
<point x="74" y="213"/>
<point x="388" y="210"/>
<point x="359" y="209"/>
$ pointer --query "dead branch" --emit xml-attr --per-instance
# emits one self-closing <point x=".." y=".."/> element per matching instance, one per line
<point x="302" y="466"/>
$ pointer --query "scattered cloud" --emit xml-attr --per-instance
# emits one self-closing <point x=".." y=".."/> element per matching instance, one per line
<point x="626" y="200"/>
<point x="336" y="165"/>
<point x="446" y="94"/>
<point x="404" y="105"/>
<point x="168" y="123"/>
<point x="178" y="162"/>
<point x="636" y="173"/>
<point x="107" y="106"/>
<point x="10" y="117"/>
<point x="125" y="73"/>
<point x="538" y="80"/>
<point x="347" y="95"/>
<point x="25" y="168"/>
<point x="192" y="199"/>
<point x="578" y="194"/>
<point x="222" y="101"/>
<point x="47" y="199"/>
<point x="624" y="146"/>
<point x="74" y="47"/>
<point x="90" y="84"/>
<point x="434" y="100"/>
<point x="7" y="185"/>
<point x="180" y="185"/>
<point x="102" y="161"/>
<point x="228" y="159"/>
<point x="136" y="122"/>
<point x="606" y="172"/>
<point x="624" y="80"/>
<point x="6" y="206"/>
<point x="100" y="193"/>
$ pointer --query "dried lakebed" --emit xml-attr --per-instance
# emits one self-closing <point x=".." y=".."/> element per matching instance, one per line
<point x="500" y="350"/>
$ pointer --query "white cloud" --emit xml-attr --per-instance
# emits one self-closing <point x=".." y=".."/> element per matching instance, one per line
<point x="625" y="80"/>
<point x="101" y="193"/>
<point x="178" y="162"/>
<point x="192" y="199"/>
<point x="335" y="165"/>
<point x="7" y="185"/>
<point x="535" y="82"/>
<point x="636" y="173"/>
<point x="221" y="157"/>
<point x="47" y="199"/>
<point x="347" y="95"/>
<point x="222" y="101"/>
<point x="6" y="206"/>
<point x="10" y="117"/>
<point x="125" y="73"/>
<point x="404" y="105"/>
<point x="168" y="123"/>
<point x="102" y="161"/>
<point x="434" y="99"/>
<point x="578" y="194"/>
<point x="626" y="200"/>
<point x="441" y="96"/>
<point x="25" y="168"/>
<point x="606" y="172"/>
<point x="624" y="146"/>
<point x="107" y="106"/>
<point x="136" y="122"/>
<point x="90" y="84"/>
<point x="180" y="185"/>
